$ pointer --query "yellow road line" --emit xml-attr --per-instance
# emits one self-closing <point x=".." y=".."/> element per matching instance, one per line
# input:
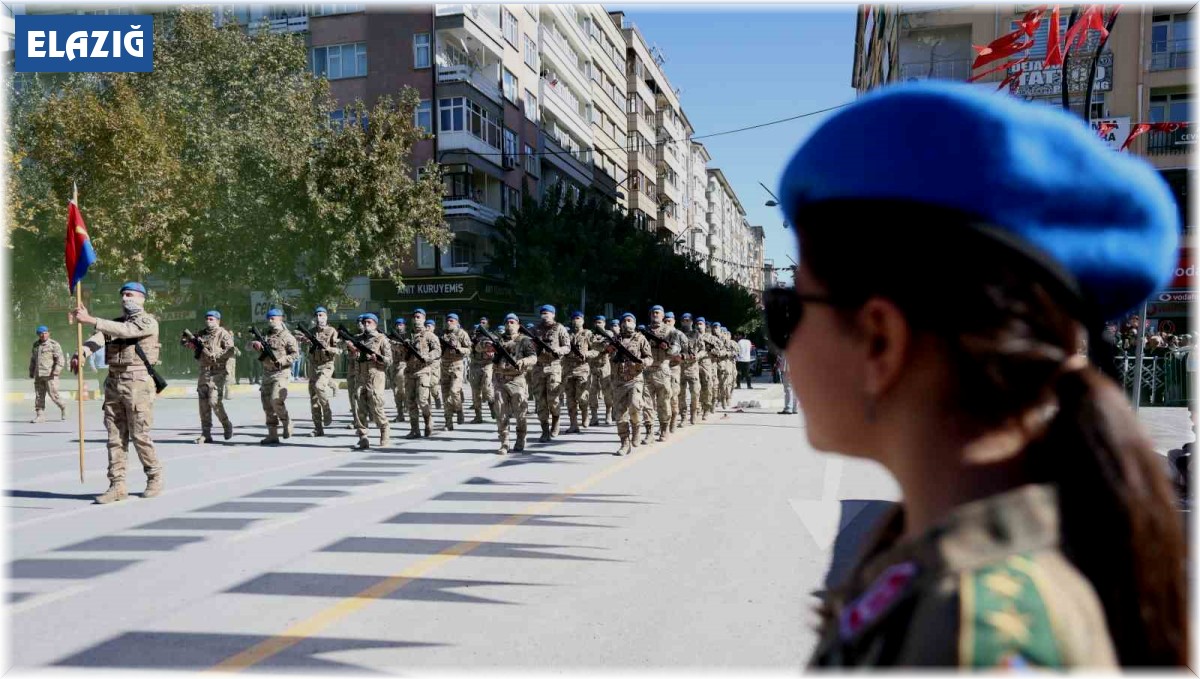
<point x="323" y="619"/>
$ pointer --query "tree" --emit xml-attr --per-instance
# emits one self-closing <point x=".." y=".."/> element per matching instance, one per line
<point x="221" y="166"/>
<point x="546" y="247"/>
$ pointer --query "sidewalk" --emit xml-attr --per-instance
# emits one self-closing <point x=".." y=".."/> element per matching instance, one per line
<point x="180" y="387"/>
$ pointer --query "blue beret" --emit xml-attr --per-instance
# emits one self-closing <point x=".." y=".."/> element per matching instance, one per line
<point x="135" y="286"/>
<point x="716" y="324"/>
<point x="641" y="326"/>
<point x="41" y="329"/>
<point x="400" y="321"/>
<point x="669" y="314"/>
<point x="511" y="317"/>
<point x="576" y="314"/>
<point x="482" y="318"/>
<point x="656" y="307"/>
<point x="547" y="307"/>
<point x="370" y="317"/>
<point x="628" y="315"/>
<point x="361" y="316"/>
<point x="430" y="324"/>
<point x="273" y="312"/>
<point x="529" y="325"/>
<point x="451" y="317"/>
<point x="418" y="310"/>
<point x="214" y="313"/>
<point x="1040" y="176"/>
<point x="600" y="318"/>
<point x="700" y="319"/>
<point x="320" y="310"/>
<point x="686" y="316"/>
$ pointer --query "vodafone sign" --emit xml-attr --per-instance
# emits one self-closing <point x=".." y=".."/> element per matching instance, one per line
<point x="1185" y="272"/>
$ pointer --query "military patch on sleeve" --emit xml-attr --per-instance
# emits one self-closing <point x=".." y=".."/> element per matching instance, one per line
<point x="878" y="598"/>
<point x="1003" y="620"/>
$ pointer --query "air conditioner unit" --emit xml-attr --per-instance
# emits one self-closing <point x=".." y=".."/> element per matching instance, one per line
<point x="510" y="161"/>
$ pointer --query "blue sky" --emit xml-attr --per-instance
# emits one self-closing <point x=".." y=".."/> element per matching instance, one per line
<point x="743" y="65"/>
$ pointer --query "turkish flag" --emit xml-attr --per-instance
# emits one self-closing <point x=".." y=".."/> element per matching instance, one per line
<point x="79" y="254"/>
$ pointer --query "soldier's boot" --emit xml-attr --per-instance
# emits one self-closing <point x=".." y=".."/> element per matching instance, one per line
<point x="428" y="426"/>
<point x="63" y="411"/>
<point x="204" y="437"/>
<point x="227" y="429"/>
<point x="287" y="428"/>
<point x="520" y="444"/>
<point x="583" y="418"/>
<point x="492" y="409"/>
<point x="318" y="430"/>
<point x="574" y="426"/>
<point x="596" y="419"/>
<point x="385" y="436"/>
<point x="414" y="429"/>
<point x="458" y="414"/>
<point x="154" y="486"/>
<point x="649" y="429"/>
<point x="400" y="415"/>
<point x="554" y="425"/>
<point x="328" y="416"/>
<point x="38" y="417"/>
<point x="633" y="433"/>
<point x="272" y="436"/>
<point x="115" y="493"/>
<point x="478" y="413"/>
<point x="545" y="437"/>
<point x="437" y="401"/>
<point x="692" y="416"/>
<point x="623" y="435"/>
<point x="363" y="443"/>
<point x="663" y="430"/>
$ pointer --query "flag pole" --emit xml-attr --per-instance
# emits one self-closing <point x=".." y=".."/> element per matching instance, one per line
<point x="79" y="346"/>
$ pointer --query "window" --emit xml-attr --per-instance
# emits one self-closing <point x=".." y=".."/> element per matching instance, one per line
<point x="458" y="114"/>
<point x="340" y="61"/>
<point x="511" y="146"/>
<point x="462" y="251"/>
<point x="1170" y="108"/>
<point x="457" y="186"/>
<point x="508" y="24"/>
<point x="531" y="161"/>
<point x="531" y="106"/>
<point x="530" y="53"/>
<point x="421" y="50"/>
<point x="512" y="200"/>
<point x="510" y="86"/>
<point x="325" y="10"/>
<point x="423" y="115"/>
<point x="1170" y="43"/>
<point x="634" y="104"/>
<point x="424" y="254"/>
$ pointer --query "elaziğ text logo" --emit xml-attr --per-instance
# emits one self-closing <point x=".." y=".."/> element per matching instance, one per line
<point x="66" y="43"/>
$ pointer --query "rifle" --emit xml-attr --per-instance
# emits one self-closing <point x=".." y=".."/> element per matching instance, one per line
<point x="620" y="347"/>
<point x="266" y="348"/>
<point x="654" y="340"/>
<point x="407" y="344"/>
<point x="499" y="346"/>
<point x="314" y="342"/>
<point x="575" y="349"/>
<point x="542" y="346"/>
<point x="187" y="337"/>
<point x="365" y="353"/>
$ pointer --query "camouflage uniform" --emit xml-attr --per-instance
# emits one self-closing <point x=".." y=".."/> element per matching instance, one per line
<point x="455" y="347"/>
<point x="371" y="378"/>
<point x="320" y="377"/>
<point x="419" y="380"/>
<point x="689" y="378"/>
<point x="512" y="391"/>
<point x="708" y="372"/>
<point x="282" y="351"/>
<point x="399" y="363"/>
<point x="216" y="349"/>
<point x="599" y="382"/>
<point x="128" y="394"/>
<point x="577" y="376"/>
<point x="731" y="352"/>
<point x="627" y="381"/>
<point x="547" y="375"/>
<point x="45" y="365"/>
<point x="989" y="586"/>
<point x="658" y="379"/>
<point x="480" y="377"/>
<point x="676" y="377"/>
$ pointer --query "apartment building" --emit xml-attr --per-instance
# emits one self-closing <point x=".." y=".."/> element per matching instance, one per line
<point x="641" y="71"/>
<point x="610" y="166"/>
<point x="697" y="238"/>
<point x="1143" y="75"/>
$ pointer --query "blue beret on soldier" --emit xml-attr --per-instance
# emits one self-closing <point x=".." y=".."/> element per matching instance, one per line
<point x="214" y="313"/>
<point x="628" y="315"/>
<point x="669" y="314"/>
<point x="511" y="317"/>
<point x="400" y="321"/>
<point x="41" y="329"/>
<point x="547" y="307"/>
<point x="600" y="318"/>
<point x="576" y="314"/>
<point x="1034" y="177"/>
<point x="418" y="310"/>
<point x="529" y="325"/>
<point x="656" y="307"/>
<point x="430" y="324"/>
<point x="320" y="310"/>
<point x="686" y="316"/>
<point x="272" y="313"/>
<point x="700" y="319"/>
<point x="451" y="317"/>
<point x="135" y="286"/>
<point x="370" y="317"/>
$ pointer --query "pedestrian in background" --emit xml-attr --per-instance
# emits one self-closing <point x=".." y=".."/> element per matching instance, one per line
<point x="745" y="357"/>
<point x="789" y="395"/>
<point x="1037" y="525"/>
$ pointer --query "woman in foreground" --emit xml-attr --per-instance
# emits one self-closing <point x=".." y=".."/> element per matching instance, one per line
<point x="953" y="245"/>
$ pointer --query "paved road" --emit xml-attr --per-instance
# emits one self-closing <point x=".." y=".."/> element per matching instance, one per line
<point x="699" y="552"/>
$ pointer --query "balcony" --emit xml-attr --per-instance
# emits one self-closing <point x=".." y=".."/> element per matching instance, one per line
<point x="558" y="56"/>
<point x="465" y="141"/>
<point x="1170" y="54"/>
<point x="472" y="24"/>
<point x="472" y="207"/>
<point x="938" y="69"/>
<point x="477" y="77"/>
<point x="558" y="101"/>
<point x="571" y="162"/>
<point x="1171" y="143"/>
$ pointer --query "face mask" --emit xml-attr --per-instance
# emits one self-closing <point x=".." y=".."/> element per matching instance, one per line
<point x="211" y="324"/>
<point x="321" y="321"/>
<point x="131" y="305"/>
<point x="276" y="324"/>
<point x="362" y="328"/>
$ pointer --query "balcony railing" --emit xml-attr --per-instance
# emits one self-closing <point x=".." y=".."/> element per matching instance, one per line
<point x="465" y="73"/>
<point x="470" y="206"/>
<point x="487" y="16"/>
<point x="940" y="69"/>
<point x="1166" y="143"/>
<point x="1168" y="54"/>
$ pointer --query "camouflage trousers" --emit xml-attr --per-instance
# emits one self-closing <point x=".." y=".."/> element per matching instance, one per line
<point x="43" y="386"/>
<point x="273" y="394"/>
<point x="370" y="401"/>
<point x="547" y="385"/>
<point x="320" y="390"/>
<point x="599" y="382"/>
<point x="417" y="389"/>
<point x="657" y="399"/>
<point x="398" y="395"/>
<point x="676" y="371"/>
<point x="512" y="394"/>
<point x="708" y="386"/>
<point x="128" y="415"/>
<point x="482" y="389"/>
<point x="728" y="375"/>
<point x="627" y="404"/>
<point x="210" y="390"/>
<point x="689" y="391"/>
<point x="352" y="390"/>
<point x="452" y="388"/>
<point x="576" y="387"/>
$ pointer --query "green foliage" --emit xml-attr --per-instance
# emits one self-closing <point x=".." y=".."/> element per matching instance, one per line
<point x="220" y="167"/>
<point x="550" y="250"/>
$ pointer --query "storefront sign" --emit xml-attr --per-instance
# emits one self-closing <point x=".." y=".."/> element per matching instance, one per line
<point x="1115" y="131"/>
<point x="1037" y="80"/>
<point x="440" y="289"/>
<point x="260" y="305"/>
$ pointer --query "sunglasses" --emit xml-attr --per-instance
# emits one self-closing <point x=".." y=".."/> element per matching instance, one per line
<point x="784" y="309"/>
